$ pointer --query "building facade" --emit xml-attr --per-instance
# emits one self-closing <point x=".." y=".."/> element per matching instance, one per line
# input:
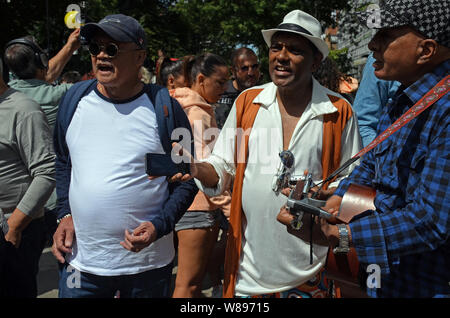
<point x="355" y="37"/>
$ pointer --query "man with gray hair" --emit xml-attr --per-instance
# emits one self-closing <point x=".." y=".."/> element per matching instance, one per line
<point x="26" y="182"/>
<point x="34" y="74"/>
<point x="115" y="226"/>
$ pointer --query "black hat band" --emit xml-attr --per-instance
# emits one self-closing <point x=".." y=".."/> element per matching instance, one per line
<point x="293" y="27"/>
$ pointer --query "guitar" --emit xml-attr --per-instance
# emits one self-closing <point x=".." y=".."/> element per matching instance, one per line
<point x="344" y="268"/>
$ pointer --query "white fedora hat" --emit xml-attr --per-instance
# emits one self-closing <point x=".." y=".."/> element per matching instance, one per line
<point x="301" y="23"/>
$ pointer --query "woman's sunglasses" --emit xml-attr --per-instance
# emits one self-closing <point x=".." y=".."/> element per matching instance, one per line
<point x="111" y="49"/>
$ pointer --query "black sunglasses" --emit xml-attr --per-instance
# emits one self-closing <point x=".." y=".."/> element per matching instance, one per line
<point x="284" y="171"/>
<point x="287" y="158"/>
<point x="111" y="49"/>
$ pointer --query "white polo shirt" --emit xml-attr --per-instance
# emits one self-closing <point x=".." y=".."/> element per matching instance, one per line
<point x="109" y="189"/>
<point x="273" y="260"/>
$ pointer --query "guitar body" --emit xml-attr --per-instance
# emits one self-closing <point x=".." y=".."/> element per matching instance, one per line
<point x="344" y="268"/>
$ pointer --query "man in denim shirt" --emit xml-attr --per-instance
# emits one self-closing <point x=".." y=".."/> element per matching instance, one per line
<point x="373" y="94"/>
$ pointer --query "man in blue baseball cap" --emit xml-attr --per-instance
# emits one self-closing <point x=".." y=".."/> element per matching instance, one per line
<point x="115" y="225"/>
<point x="116" y="42"/>
<point x="119" y="27"/>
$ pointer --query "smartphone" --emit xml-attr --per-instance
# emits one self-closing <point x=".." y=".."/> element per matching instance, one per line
<point x="157" y="164"/>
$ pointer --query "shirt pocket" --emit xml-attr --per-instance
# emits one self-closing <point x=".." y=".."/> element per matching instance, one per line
<point x="417" y="161"/>
<point x="414" y="169"/>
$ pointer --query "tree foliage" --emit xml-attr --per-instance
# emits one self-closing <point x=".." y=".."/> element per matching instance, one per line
<point x="179" y="27"/>
<point x="221" y="25"/>
<point x="342" y="60"/>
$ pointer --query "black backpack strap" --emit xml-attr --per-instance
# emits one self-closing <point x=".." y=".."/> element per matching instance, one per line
<point x="160" y="98"/>
<point x="169" y="115"/>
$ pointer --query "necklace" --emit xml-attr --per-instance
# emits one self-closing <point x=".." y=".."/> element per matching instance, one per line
<point x="101" y="89"/>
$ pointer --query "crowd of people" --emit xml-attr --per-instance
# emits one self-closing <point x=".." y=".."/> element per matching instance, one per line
<point x="74" y="164"/>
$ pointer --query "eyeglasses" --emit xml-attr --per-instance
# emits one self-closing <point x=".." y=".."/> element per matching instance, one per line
<point x="284" y="171"/>
<point x="111" y="49"/>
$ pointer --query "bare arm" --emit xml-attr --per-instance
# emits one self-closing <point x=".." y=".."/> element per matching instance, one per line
<point x="58" y="62"/>
<point x="202" y="171"/>
<point x="206" y="174"/>
<point x="17" y="222"/>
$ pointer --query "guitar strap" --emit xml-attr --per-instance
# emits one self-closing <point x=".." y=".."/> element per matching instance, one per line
<point x="436" y="93"/>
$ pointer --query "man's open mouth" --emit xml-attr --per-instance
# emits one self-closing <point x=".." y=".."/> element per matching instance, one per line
<point x="105" y="67"/>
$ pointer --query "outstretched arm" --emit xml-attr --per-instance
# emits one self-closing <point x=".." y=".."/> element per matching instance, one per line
<point x="202" y="171"/>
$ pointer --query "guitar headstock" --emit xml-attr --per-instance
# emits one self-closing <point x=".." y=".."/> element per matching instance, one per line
<point x="302" y="187"/>
<point x="297" y="192"/>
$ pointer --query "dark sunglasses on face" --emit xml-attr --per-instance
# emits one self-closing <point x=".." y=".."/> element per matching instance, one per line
<point x="111" y="49"/>
<point x="287" y="158"/>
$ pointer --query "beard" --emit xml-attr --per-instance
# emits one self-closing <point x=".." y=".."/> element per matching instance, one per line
<point x="250" y="82"/>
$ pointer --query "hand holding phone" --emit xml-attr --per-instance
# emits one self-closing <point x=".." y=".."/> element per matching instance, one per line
<point x="162" y="165"/>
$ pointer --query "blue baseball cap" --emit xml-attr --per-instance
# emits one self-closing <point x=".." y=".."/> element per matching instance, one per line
<point x="119" y="27"/>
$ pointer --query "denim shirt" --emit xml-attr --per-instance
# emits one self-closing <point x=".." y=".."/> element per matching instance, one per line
<point x="372" y="95"/>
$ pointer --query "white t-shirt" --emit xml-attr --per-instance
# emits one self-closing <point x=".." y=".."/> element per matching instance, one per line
<point x="109" y="189"/>
<point x="272" y="260"/>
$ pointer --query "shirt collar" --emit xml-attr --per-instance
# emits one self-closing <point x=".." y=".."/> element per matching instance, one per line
<point x="32" y="82"/>
<point x="423" y="85"/>
<point x="320" y="102"/>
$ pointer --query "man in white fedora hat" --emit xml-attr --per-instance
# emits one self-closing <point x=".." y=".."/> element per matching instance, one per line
<point x="301" y="23"/>
<point x="308" y="127"/>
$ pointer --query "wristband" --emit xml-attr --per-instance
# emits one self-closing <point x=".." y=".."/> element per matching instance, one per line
<point x="65" y="216"/>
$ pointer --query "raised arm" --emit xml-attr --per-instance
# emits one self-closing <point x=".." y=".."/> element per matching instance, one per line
<point x="57" y="63"/>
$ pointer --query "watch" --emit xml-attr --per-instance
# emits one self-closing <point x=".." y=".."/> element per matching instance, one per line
<point x="344" y="241"/>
